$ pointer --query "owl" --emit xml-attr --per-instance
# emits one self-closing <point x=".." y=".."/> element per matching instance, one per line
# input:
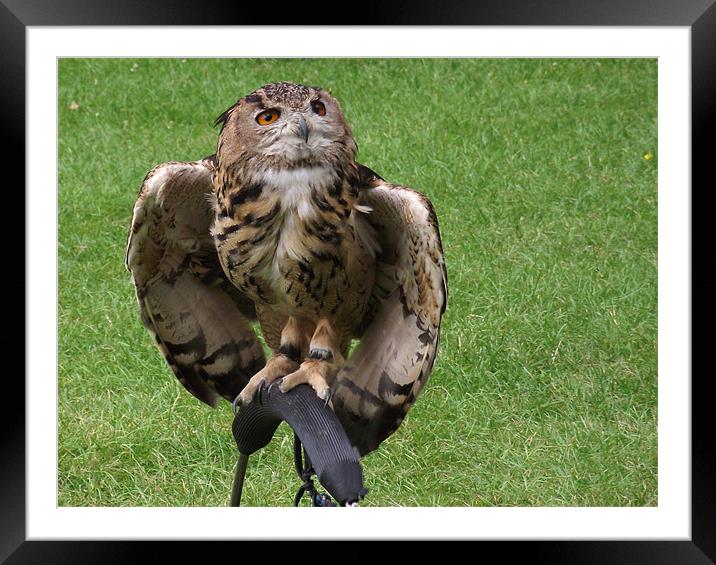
<point x="343" y="271"/>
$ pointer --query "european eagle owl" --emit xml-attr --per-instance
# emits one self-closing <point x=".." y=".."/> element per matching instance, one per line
<point x="283" y="225"/>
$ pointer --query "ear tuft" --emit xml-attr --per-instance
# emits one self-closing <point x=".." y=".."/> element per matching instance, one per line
<point x="224" y="116"/>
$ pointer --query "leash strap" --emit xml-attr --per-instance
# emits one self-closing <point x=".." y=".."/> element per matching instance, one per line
<point x="305" y="472"/>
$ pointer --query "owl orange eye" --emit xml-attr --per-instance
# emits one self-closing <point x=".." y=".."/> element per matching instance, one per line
<point x="319" y="108"/>
<point x="267" y="117"/>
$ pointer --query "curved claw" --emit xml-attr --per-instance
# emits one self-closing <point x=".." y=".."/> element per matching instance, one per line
<point x="248" y="394"/>
<point x="279" y="381"/>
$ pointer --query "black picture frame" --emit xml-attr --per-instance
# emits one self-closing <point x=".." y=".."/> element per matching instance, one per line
<point x="699" y="15"/>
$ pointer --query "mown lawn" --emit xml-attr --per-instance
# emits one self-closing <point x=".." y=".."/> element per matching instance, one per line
<point x="543" y="173"/>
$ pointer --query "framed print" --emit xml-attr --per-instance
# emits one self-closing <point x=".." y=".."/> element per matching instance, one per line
<point x="556" y="150"/>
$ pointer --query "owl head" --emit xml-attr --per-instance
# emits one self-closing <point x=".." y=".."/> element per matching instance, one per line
<point x="288" y="125"/>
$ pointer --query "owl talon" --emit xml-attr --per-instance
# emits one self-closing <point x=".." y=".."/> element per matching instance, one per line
<point x="324" y="394"/>
<point x="248" y="394"/>
<point x="313" y="373"/>
<point x="276" y="368"/>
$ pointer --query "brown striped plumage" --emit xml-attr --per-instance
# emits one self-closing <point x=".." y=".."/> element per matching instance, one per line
<point x="283" y="223"/>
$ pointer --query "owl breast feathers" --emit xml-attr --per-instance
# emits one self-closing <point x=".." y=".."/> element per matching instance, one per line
<point x="283" y="226"/>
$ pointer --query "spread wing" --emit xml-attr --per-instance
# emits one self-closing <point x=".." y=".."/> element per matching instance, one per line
<point x="399" y="342"/>
<point x="199" y="320"/>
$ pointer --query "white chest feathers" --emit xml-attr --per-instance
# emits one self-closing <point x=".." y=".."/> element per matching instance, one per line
<point x="295" y="189"/>
<point x="296" y="186"/>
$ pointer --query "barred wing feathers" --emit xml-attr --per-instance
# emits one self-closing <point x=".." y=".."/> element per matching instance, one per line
<point x="199" y="320"/>
<point x="395" y="356"/>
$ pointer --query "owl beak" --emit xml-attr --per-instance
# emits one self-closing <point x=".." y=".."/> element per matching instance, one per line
<point x="303" y="128"/>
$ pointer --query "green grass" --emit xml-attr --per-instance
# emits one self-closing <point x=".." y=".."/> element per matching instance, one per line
<point x="545" y="388"/>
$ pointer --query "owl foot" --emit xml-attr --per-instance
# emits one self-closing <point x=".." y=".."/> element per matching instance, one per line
<point x="276" y="367"/>
<point x="315" y="372"/>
